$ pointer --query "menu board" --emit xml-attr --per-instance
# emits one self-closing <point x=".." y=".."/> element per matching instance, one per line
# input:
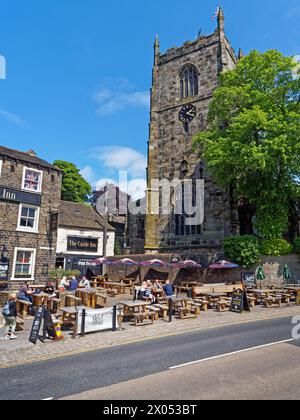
<point x="36" y="326"/>
<point x="239" y="302"/>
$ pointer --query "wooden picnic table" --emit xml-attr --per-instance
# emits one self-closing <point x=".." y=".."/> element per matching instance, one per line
<point x="137" y="310"/>
<point x="40" y="299"/>
<point x="120" y="287"/>
<point x="89" y="297"/>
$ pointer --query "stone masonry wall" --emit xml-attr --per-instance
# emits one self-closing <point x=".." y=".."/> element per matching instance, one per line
<point x="45" y="241"/>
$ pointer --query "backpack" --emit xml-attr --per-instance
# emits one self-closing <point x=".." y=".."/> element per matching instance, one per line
<point x="6" y="309"/>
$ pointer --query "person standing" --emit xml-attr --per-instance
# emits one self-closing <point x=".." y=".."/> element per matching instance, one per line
<point x="10" y="317"/>
<point x="168" y="290"/>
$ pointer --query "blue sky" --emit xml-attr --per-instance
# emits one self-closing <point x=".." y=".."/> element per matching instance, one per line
<point x="79" y="72"/>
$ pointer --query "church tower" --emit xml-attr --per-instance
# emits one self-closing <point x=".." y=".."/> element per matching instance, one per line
<point x="184" y="80"/>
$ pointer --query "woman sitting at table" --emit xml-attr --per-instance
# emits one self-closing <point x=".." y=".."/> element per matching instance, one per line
<point x="63" y="285"/>
<point x="84" y="284"/>
<point x="24" y="293"/>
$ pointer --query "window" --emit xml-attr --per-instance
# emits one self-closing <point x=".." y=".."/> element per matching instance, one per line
<point x="24" y="262"/>
<point x="28" y="218"/>
<point x="32" y="180"/>
<point x="182" y="226"/>
<point x="189" y="82"/>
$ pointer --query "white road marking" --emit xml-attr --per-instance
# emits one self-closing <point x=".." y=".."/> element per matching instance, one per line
<point x="231" y="354"/>
<point x="48" y="399"/>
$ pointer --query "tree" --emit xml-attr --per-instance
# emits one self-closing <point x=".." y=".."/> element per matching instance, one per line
<point x="252" y="145"/>
<point x="74" y="187"/>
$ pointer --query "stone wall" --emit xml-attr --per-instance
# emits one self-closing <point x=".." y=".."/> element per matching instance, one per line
<point x="44" y="242"/>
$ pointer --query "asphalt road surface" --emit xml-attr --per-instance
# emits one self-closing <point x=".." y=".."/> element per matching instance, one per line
<point x="101" y="369"/>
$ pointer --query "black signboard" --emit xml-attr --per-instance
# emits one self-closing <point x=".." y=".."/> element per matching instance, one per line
<point x="36" y="326"/>
<point x="239" y="302"/>
<point x="49" y="327"/>
<point x="4" y="267"/>
<point x="249" y="279"/>
<point x="42" y="314"/>
<point x="82" y="244"/>
<point x="9" y="194"/>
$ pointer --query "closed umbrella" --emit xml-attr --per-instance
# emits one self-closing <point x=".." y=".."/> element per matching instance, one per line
<point x="287" y="274"/>
<point x="261" y="275"/>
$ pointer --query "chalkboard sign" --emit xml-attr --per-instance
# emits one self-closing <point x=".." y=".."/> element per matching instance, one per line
<point x="36" y="326"/>
<point x="249" y="279"/>
<point x="239" y="302"/>
<point x="49" y="326"/>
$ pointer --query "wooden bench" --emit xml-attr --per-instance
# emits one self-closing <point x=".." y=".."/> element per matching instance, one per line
<point x="71" y="300"/>
<point x="163" y="310"/>
<point x="101" y="300"/>
<point x="20" y="324"/>
<point x="271" y="300"/>
<point x="154" y="312"/>
<point x="22" y="308"/>
<point x="142" y="319"/>
<point x="202" y="303"/>
<point x="223" y="305"/>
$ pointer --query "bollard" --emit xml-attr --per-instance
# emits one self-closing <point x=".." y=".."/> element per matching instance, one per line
<point x="114" y="320"/>
<point x="83" y="323"/>
<point x="170" y="310"/>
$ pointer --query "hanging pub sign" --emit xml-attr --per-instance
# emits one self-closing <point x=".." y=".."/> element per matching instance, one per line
<point x="82" y="244"/>
<point x="239" y="302"/>
<point x="4" y="268"/>
<point x="9" y="194"/>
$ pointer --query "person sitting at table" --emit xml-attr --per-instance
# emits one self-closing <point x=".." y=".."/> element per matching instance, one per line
<point x="84" y="283"/>
<point x="168" y="290"/>
<point x="157" y="285"/>
<point x="64" y="284"/>
<point x="50" y="290"/>
<point x="142" y="290"/>
<point x="149" y="295"/>
<point x="24" y="293"/>
<point x="73" y="284"/>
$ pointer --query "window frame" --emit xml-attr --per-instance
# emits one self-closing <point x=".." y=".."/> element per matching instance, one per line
<point x="33" y="251"/>
<point x="26" y="168"/>
<point x="189" y="81"/>
<point x="1" y="165"/>
<point x="35" y="229"/>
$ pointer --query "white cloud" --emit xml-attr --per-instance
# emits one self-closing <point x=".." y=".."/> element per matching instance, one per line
<point x="88" y="173"/>
<point x="293" y="13"/>
<point x="10" y="117"/>
<point x="119" y="97"/>
<point x="120" y="158"/>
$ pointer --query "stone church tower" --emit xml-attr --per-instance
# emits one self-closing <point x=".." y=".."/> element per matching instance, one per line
<point x="184" y="80"/>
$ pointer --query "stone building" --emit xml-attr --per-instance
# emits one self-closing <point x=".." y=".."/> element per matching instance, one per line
<point x="83" y="235"/>
<point x="184" y="80"/>
<point x="30" y="190"/>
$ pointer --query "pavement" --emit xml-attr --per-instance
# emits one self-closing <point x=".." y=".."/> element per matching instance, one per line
<point x="21" y="352"/>
<point x="271" y="373"/>
<point x="132" y="370"/>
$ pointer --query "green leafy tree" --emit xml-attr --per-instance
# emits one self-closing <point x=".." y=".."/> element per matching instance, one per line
<point x="252" y="146"/>
<point x="244" y="250"/>
<point x="74" y="187"/>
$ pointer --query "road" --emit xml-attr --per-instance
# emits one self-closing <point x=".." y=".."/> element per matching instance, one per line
<point x="138" y="362"/>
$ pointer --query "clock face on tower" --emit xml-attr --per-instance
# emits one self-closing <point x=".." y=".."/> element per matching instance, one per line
<point x="187" y="113"/>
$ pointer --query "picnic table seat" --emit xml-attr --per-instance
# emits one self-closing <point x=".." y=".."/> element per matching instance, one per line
<point x="163" y="310"/>
<point x="112" y="293"/>
<point x="22" y="308"/>
<point x="70" y="300"/>
<point x="271" y="300"/>
<point x="223" y="305"/>
<point x="195" y="309"/>
<point x="185" y="313"/>
<point x="101" y="300"/>
<point x="20" y="324"/>
<point x="154" y="312"/>
<point x="142" y="319"/>
<point x="202" y="303"/>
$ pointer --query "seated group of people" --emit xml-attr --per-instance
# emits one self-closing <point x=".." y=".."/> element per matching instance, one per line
<point x="151" y="290"/>
<point x="73" y="284"/>
<point x="25" y="292"/>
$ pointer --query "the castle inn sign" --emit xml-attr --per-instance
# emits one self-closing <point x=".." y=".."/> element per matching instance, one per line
<point x="82" y="244"/>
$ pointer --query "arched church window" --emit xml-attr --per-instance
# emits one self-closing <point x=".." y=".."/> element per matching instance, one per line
<point x="189" y="81"/>
<point x="183" y="169"/>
